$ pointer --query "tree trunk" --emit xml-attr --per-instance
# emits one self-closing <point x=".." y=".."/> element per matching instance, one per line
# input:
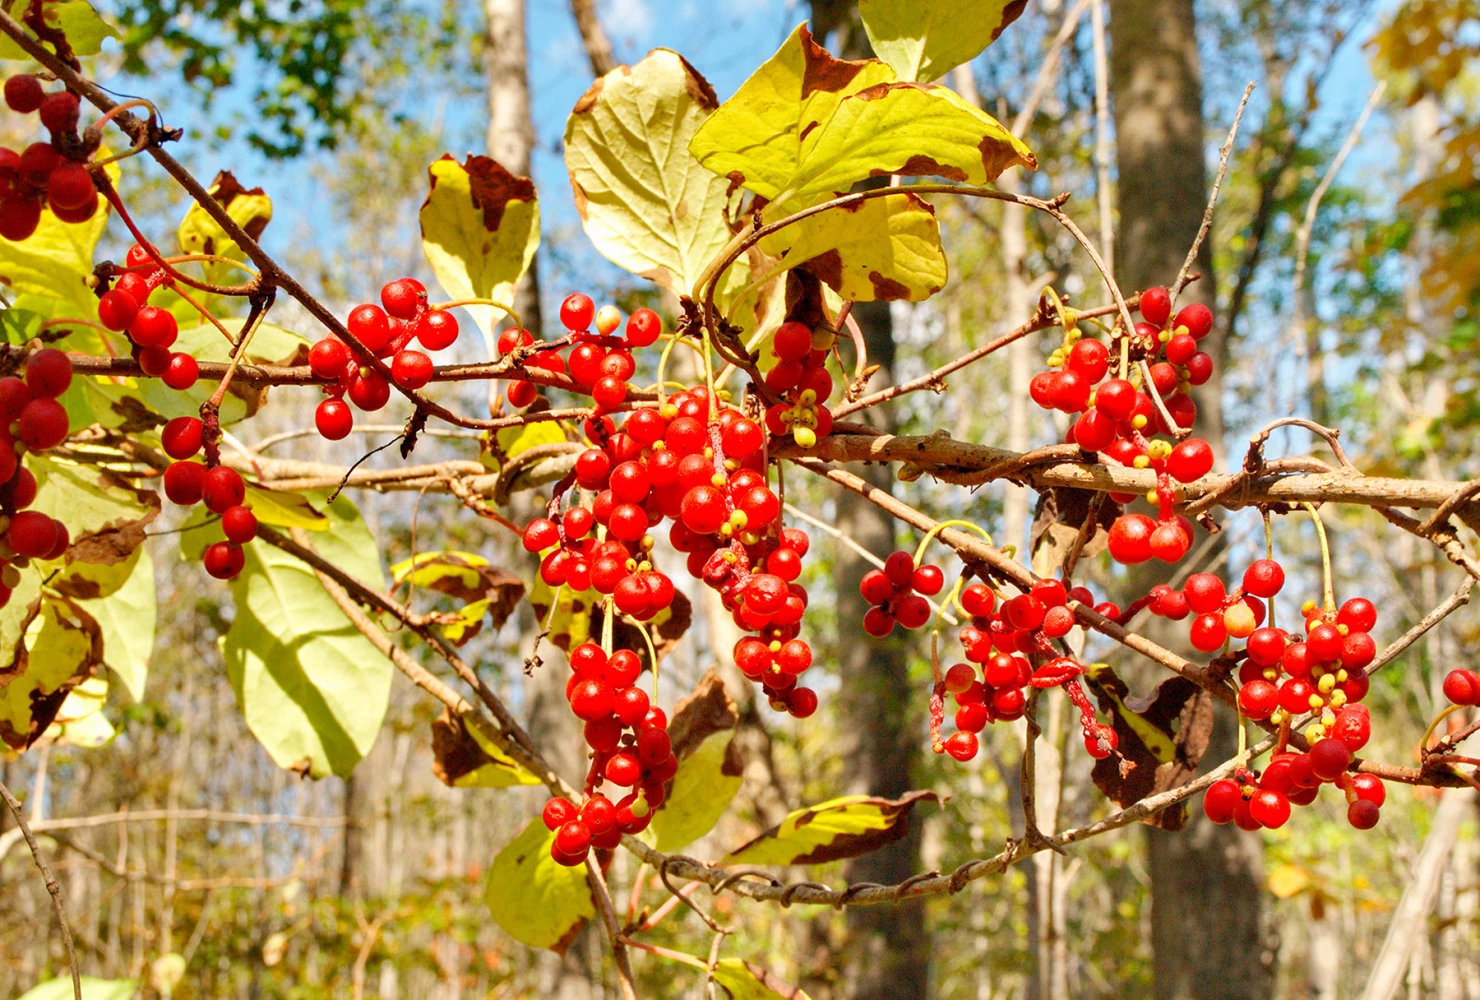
<point x="511" y="135"/>
<point x="888" y="950"/>
<point x="1207" y="906"/>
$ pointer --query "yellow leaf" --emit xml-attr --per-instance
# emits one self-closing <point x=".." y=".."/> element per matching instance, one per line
<point x="925" y="39"/>
<point x="744" y="981"/>
<point x="534" y="899"/>
<point x="709" y="767"/>
<point x="644" y="199"/>
<point x="284" y="509"/>
<point x="830" y="831"/>
<point x="462" y="757"/>
<point x="1287" y="880"/>
<point x="480" y="226"/>
<point x="199" y="233"/>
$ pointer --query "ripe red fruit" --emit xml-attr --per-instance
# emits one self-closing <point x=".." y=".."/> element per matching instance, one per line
<point x="333" y="419"/>
<point x="328" y="357"/>
<point x="1270" y="808"/>
<point x="801" y="702"/>
<point x="1117" y="398"/>
<point x="1328" y="758"/>
<point x="1199" y="368"/>
<point x="32" y="534"/>
<point x="23" y="93"/>
<point x="928" y="580"/>
<point x="59" y="111"/>
<point x="1170" y="542"/>
<point x="1156" y="306"/>
<point x="42" y="424"/>
<point x="1323" y="643"/>
<point x="574" y="838"/>
<point x="411" y="369"/>
<point x="703" y="510"/>
<point x="369" y="325"/>
<point x="977" y="600"/>
<point x="1258" y="699"/>
<point x="153" y="361"/>
<point x="183" y="482"/>
<point x="643" y="328"/>
<point x="962" y="746"/>
<point x="222" y="488"/>
<point x="1180" y="349"/>
<point x="1070" y="392"/>
<point x="1358" y="614"/>
<point x="1197" y="318"/>
<point x="117" y="309"/>
<point x="793" y="341"/>
<point x="1266" y="646"/>
<point x="591" y="699"/>
<point x="1089" y="358"/>
<point x="1221" y="800"/>
<point x="437" y="330"/>
<point x="181" y="372"/>
<point x="403" y="297"/>
<point x="1208" y="632"/>
<point x="1369" y="788"/>
<point x="369" y="391"/>
<point x="1264" y="578"/>
<point x="19" y="217"/>
<point x="70" y="187"/>
<point x="1363" y="814"/>
<point x="1130" y="538"/>
<point x="1204" y="592"/>
<point x="1353" y="726"/>
<point x="182" y="437"/>
<point x="1295" y="695"/>
<point x="1190" y="460"/>
<point x="239" y="524"/>
<point x="522" y="393"/>
<point x="1462" y="687"/>
<point x="48" y="372"/>
<point x="576" y="312"/>
<point x="557" y="813"/>
<point x="223" y="560"/>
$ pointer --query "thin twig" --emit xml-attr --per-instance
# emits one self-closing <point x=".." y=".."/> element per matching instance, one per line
<point x="52" y="886"/>
<point x="1183" y="276"/>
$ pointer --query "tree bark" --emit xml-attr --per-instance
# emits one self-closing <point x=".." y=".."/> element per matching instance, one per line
<point x="1207" y="924"/>
<point x="511" y="136"/>
<point x="888" y="949"/>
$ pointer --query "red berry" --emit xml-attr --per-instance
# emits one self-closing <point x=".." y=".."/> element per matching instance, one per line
<point x="962" y="746"/>
<point x="1197" y="318"/>
<point x="70" y="187"/>
<point x="1264" y="578"/>
<point x="576" y="312"/>
<point x="1089" y="358"/>
<point x="328" y="357"/>
<point x="223" y="560"/>
<point x="411" y="369"/>
<point x="42" y="424"/>
<point x="23" y="93"/>
<point x="1170" y="542"/>
<point x="1266" y="646"/>
<point x="1199" y="368"/>
<point x="222" y="487"/>
<point x="1258" y="699"/>
<point x="1328" y="758"/>
<point x="1353" y="726"/>
<point x="977" y="600"/>
<point x="59" y="111"/>
<point x="1221" y="799"/>
<point x="643" y="328"/>
<point x="370" y="326"/>
<point x="1208" y="632"/>
<point x="1369" y="788"/>
<point x="48" y="372"/>
<point x="183" y="482"/>
<point x="793" y="342"/>
<point x="181" y="372"/>
<point x="182" y="437"/>
<point x="369" y="390"/>
<point x="402" y="298"/>
<point x="1323" y="643"/>
<point x="801" y="702"/>
<point x="1190" y="460"/>
<point x="1156" y="306"/>
<point x="574" y="838"/>
<point x="117" y="309"/>
<point x="591" y="699"/>
<point x="1462" y="687"/>
<point x="557" y="813"/>
<point x="1363" y="814"/>
<point x="1358" y="615"/>
<point x="333" y="419"/>
<point x="239" y="524"/>
<point x="153" y="327"/>
<point x="1130" y="538"/>
<point x="32" y="534"/>
<point x="1270" y="808"/>
<point x="1180" y="349"/>
<point x="1117" y="398"/>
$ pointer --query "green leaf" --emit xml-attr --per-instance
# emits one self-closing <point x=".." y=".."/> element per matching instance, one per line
<point x="909" y="129"/>
<point x="710" y="770"/>
<point x="76" y="19"/>
<point x="480" y="226"/>
<point x="54" y="263"/>
<point x="754" y="137"/>
<point x="463" y="758"/>
<point x="883" y="248"/>
<point x="514" y="441"/>
<point x="60" y="647"/>
<point x="16" y="616"/>
<point x="645" y="201"/>
<point x="105" y="516"/>
<point x="285" y="509"/>
<point x="830" y="831"/>
<point x="926" y="39"/>
<point x="199" y="233"/>
<point x="92" y="989"/>
<point x="745" y="981"/>
<point x="485" y="590"/>
<point x="312" y="688"/>
<point x="534" y="899"/>
<point x="127" y="618"/>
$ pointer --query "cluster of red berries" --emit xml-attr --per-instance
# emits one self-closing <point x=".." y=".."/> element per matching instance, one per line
<point x="40" y="175"/>
<point x="222" y="489"/>
<point x="1023" y="626"/>
<point x="599" y="361"/>
<point x="1117" y="415"/>
<point x="151" y="331"/>
<point x="801" y="380"/>
<point x="895" y="593"/>
<point x="630" y="749"/>
<point x="1219" y="614"/>
<point x="1263" y="800"/>
<point x="385" y="330"/>
<point x="695" y="460"/>
<point x="31" y="419"/>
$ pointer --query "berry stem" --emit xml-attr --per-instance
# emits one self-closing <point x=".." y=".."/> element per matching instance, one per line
<point x="930" y="535"/>
<point x="1328" y="589"/>
<point x="661" y="952"/>
<point x="652" y="651"/>
<point x="608" y="625"/>
<point x="493" y="303"/>
<point x="1423" y="744"/>
<point x="1269" y="554"/>
<point x="239" y="350"/>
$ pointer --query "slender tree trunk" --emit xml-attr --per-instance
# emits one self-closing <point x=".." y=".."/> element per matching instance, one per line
<point x="888" y="950"/>
<point x="511" y="136"/>
<point x="1207" y="906"/>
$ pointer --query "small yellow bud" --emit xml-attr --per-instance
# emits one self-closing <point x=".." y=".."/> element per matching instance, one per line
<point x="1315" y="732"/>
<point x="1139" y="421"/>
<point x="805" y="436"/>
<point x="1152" y="496"/>
<point x="739" y="519"/>
<point x="718" y="480"/>
<point x="1141" y="462"/>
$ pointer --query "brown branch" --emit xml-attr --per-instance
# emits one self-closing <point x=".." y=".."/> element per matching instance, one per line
<point x="1452" y="603"/>
<point x="593" y="38"/>
<point x="603" y="897"/>
<point x="52" y="885"/>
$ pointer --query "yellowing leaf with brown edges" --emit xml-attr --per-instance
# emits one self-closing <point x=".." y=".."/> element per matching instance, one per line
<point x="249" y="208"/>
<point x="709" y="767"/>
<point x="925" y="39"/>
<point x="61" y="647"/>
<point x="480" y="225"/>
<point x="462" y="758"/>
<point x="535" y="899"/>
<point x="746" y="981"/>
<point x="882" y="248"/>
<point x="754" y="139"/>
<point x="644" y="200"/>
<point x="831" y="831"/>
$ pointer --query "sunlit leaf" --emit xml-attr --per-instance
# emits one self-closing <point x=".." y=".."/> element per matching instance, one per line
<point x="104" y="515"/>
<point x="127" y="618"/>
<point x="534" y="899"/>
<point x="746" y="981"/>
<point x="754" y="139"/>
<point x="76" y="19"/>
<point x="645" y="201"/>
<point x="1287" y="880"/>
<point x="285" y="509"/>
<point x="831" y="831"/>
<point x="709" y="767"/>
<point x="462" y="758"/>
<point x="80" y="721"/>
<point x="883" y="248"/>
<point x="198" y="233"/>
<point x="61" y="646"/>
<point x="480" y="226"/>
<point x="925" y="39"/>
<point x="515" y="441"/>
<point x="564" y="613"/>
<point x="312" y="688"/>
<point x="92" y="989"/>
